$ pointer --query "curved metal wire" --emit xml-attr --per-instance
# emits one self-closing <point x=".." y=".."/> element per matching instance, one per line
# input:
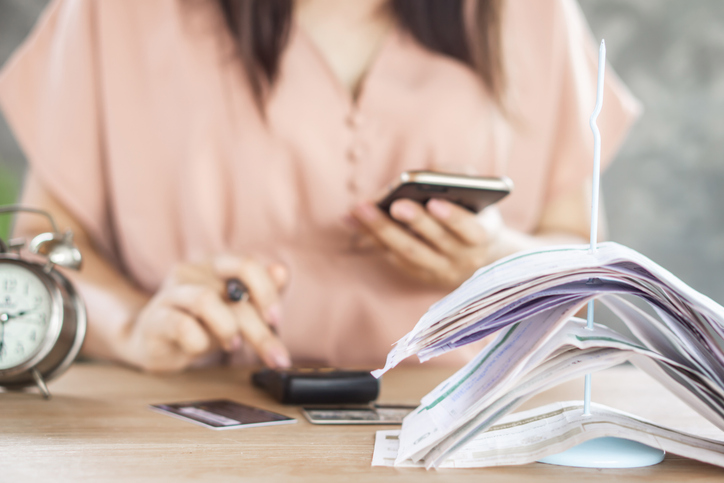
<point x="596" y="182"/>
<point x="18" y="208"/>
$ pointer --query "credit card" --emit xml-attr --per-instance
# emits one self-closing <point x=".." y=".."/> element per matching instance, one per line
<point x="222" y="414"/>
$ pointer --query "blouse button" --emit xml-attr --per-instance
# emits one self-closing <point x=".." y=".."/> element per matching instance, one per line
<point x="354" y="119"/>
<point x="355" y="154"/>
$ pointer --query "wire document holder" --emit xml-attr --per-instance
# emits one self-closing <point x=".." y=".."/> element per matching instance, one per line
<point x="606" y="452"/>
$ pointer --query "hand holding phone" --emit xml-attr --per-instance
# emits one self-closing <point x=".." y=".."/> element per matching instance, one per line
<point x="473" y="193"/>
<point x="429" y="226"/>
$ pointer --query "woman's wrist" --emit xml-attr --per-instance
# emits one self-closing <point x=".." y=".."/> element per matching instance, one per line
<point x="510" y="241"/>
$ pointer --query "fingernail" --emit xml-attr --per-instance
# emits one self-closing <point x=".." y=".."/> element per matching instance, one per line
<point x="438" y="208"/>
<point x="402" y="211"/>
<point x="279" y="357"/>
<point x="274" y="315"/>
<point x="235" y="343"/>
<point x="367" y="211"/>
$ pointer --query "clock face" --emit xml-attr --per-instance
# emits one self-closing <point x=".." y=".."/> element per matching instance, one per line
<point x="25" y="311"/>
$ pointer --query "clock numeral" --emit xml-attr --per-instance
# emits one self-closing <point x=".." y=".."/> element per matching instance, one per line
<point x="37" y="300"/>
<point x="19" y="349"/>
<point x="10" y="284"/>
<point x="32" y="336"/>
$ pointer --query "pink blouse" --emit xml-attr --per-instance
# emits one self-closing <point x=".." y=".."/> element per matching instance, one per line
<point x="135" y="116"/>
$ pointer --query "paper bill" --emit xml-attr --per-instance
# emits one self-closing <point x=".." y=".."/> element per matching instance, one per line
<point x="495" y="296"/>
<point x="528" y="299"/>
<point x="529" y="436"/>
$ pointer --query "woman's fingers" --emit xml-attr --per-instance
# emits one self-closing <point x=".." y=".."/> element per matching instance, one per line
<point x="263" y="283"/>
<point x="441" y="243"/>
<point x="258" y="334"/>
<point x="254" y="319"/>
<point x="206" y="304"/>
<point x="170" y="339"/>
<point x="191" y="315"/>
<point x="186" y="331"/>
<point x="399" y="240"/>
<point x="417" y="218"/>
<point x="458" y="220"/>
<point x="200" y="307"/>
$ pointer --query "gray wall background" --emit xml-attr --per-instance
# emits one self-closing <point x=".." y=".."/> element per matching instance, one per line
<point x="16" y="19"/>
<point x="664" y="194"/>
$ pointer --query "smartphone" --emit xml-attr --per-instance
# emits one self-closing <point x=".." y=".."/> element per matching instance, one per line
<point x="324" y="385"/>
<point x="471" y="192"/>
<point x="376" y="414"/>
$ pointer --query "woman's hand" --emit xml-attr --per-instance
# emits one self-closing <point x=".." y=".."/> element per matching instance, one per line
<point x="190" y="315"/>
<point x="441" y="244"/>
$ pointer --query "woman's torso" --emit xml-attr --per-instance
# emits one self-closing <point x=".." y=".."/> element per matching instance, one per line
<point x="186" y="165"/>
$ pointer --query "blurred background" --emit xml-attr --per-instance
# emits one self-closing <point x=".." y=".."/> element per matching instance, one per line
<point x="664" y="192"/>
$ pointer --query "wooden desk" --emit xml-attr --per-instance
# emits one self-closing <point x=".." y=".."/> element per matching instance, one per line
<point x="98" y="427"/>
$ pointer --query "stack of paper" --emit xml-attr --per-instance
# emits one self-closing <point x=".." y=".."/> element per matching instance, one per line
<point x="532" y="435"/>
<point x="529" y="299"/>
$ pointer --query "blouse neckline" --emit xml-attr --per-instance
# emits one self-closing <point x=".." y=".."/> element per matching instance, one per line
<point x="352" y="99"/>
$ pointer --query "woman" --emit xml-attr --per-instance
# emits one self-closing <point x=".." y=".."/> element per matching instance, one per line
<point x="187" y="142"/>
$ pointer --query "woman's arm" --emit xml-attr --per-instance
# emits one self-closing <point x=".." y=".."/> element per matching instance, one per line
<point x="108" y="295"/>
<point x="185" y="319"/>
<point x="566" y="219"/>
<point x="443" y="244"/>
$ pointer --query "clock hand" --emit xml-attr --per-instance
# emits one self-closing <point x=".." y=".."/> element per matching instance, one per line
<point x="4" y="317"/>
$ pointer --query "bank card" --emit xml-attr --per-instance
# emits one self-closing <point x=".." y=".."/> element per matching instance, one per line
<point x="376" y="414"/>
<point x="222" y="414"/>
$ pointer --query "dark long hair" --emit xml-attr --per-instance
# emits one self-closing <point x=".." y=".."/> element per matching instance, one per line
<point x="260" y="29"/>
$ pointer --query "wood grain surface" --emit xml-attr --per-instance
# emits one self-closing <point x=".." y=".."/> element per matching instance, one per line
<point x="97" y="427"/>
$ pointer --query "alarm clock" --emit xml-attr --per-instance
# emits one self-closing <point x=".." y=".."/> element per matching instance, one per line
<point x="42" y="317"/>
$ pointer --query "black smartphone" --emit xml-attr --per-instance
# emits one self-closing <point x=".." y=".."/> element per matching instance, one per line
<point x="471" y="192"/>
<point x="317" y="385"/>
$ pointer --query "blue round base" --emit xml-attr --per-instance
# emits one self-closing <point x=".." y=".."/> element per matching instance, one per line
<point x="607" y="453"/>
